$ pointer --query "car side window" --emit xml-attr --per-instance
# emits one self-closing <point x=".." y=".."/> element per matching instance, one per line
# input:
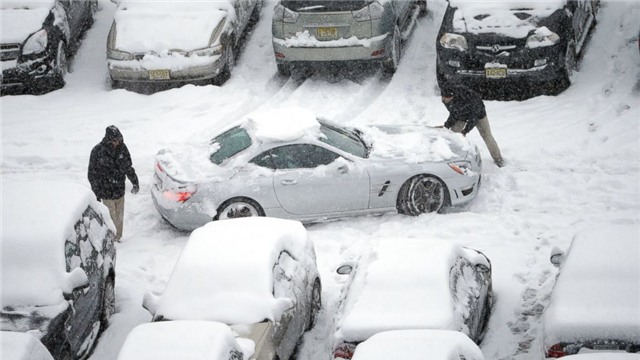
<point x="301" y="156"/>
<point x="264" y="160"/>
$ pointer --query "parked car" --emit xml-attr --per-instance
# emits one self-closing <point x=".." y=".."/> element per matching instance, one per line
<point x="418" y="345"/>
<point x="177" y="42"/>
<point x="58" y="265"/>
<point x="38" y="38"/>
<point x="166" y="340"/>
<point x="603" y="356"/>
<point x="354" y="30"/>
<point x="22" y="346"/>
<point x="411" y="283"/>
<point x="286" y="163"/>
<point x="257" y="275"/>
<point x="484" y="43"/>
<point x="595" y="303"/>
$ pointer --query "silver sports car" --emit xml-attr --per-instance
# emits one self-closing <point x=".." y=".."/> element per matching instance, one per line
<point x="286" y="163"/>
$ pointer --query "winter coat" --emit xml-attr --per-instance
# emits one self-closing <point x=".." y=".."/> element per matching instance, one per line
<point x="108" y="167"/>
<point x="466" y="106"/>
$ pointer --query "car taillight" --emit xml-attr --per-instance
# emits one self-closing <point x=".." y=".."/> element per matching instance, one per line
<point x="344" y="351"/>
<point x="556" y="351"/>
<point x="178" y="196"/>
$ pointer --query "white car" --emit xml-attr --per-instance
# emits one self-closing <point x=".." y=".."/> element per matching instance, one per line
<point x="286" y="163"/>
<point x="418" y="345"/>
<point x="257" y="275"/>
<point x="595" y="303"/>
<point x="167" y="340"/>
<point x="411" y="283"/>
<point x="176" y="42"/>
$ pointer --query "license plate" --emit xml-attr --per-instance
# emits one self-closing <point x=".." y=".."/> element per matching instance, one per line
<point x="159" y="74"/>
<point x="495" y="73"/>
<point x="327" y="32"/>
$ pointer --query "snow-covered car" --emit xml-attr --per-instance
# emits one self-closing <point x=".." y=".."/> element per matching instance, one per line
<point x="22" y="346"/>
<point x="58" y="261"/>
<point x="495" y="42"/>
<point x="192" y="340"/>
<point x="595" y="303"/>
<point x="177" y="41"/>
<point x="307" y="31"/>
<point x="37" y="38"/>
<point x="258" y="275"/>
<point x="286" y="163"/>
<point x="415" y="283"/>
<point x="418" y="345"/>
<point x="603" y="356"/>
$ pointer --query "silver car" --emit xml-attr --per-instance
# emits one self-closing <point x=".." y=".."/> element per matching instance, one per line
<point x="342" y="30"/>
<point x="325" y="172"/>
<point x="176" y="42"/>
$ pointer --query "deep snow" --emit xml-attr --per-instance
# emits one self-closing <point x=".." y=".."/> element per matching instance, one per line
<point x="572" y="160"/>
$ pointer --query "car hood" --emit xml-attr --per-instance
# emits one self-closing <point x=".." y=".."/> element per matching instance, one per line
<point x="507" y="18"/>
<point x="415" y="144"/>
<point x="21" y="19"/>
<point x="157" y="27"/>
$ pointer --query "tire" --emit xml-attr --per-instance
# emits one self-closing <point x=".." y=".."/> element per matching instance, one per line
<point x="229" y="62"/>
<point x="316" y="304"/>
<point x="60" y="66"/>
<point x="391" y="64"/>
<point x="422" y="194"/>
<point x="237" y="208"/>
<point x="108" y="303"/>
<point x="568" y="65"/>
<point x="284" y="70"/>
<point x="255" y="14"/>
<point x="482" y="328"/>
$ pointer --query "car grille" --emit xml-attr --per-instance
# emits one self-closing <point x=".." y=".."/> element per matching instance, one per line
<point x="9" y="51"/>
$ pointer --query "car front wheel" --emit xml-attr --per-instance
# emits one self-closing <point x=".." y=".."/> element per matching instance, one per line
<point x="316" y="304"/>
<point x="238" y="208"/>
<point x="422" y="194"/>
<point x="108" y="303"/>
<point x="391" y="64"/>
<point x="60" y="66"/>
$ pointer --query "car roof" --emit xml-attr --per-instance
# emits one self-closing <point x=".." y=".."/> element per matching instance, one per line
<point x="208" y="340"/>
<point x="37" y="218"/>
<point x="225" y="271"/>
<point x="416" y="344"/>
<point x="406" y="285"/>
<point x="597" y="293"/>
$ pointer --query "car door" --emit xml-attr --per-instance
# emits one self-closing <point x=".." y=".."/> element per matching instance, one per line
<point x="287" y="284"/>
<point x="312" y="180"/>
<point x="76" y="15"/>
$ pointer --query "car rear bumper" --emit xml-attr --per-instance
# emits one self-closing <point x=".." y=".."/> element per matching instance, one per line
<point x="377" y="48"/>
<point x="182" y="216"/>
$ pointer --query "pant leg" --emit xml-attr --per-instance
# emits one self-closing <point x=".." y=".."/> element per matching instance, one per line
<point x="485" y="132"/>
<point x="116" y="210"/>
<point x="458" y="126"/>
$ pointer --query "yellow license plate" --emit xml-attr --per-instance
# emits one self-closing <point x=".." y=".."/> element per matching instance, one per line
<point x="159" y="74"/>
<point x="327" y="32"/>
<point x="495" y="73"/>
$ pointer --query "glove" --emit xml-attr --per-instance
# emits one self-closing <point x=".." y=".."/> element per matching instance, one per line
<point x="135" y="189"/>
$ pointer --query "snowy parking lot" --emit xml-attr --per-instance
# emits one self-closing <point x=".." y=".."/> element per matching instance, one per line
<point x="573" y="161"/>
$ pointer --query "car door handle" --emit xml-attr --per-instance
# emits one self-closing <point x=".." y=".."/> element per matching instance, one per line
<point x="288" y="182"/>
<point x="343" y="169"/>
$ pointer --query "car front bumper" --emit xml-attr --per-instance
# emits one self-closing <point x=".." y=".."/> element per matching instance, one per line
<point x="26" y="75"/>
<point x="166" y="71"/>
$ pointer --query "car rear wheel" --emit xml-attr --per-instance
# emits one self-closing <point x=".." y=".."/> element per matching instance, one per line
<point x="284" y="70"/>
<point x="238" y="208"/>
<point x="422" y="194"/>
<point x="316" y="304"/>
<point x="108" y="303"/>
<point x="229" y="61"/>
<point x="391" y="64"/>
<point x="568" y="65"/>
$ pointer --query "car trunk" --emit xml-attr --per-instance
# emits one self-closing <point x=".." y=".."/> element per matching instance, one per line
<point x="327" y="20"/>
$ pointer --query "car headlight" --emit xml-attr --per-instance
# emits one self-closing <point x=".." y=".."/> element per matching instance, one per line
<point x="372" y="12"/>
<point x="542" y="37"/>
<point x="36" y="43"/>
<point x="114" y="54"/>
<point x="281" y="13"/>
<point x="210" y="51"/>
<point x="461" y="167"/>
<point x="454" y="41"/>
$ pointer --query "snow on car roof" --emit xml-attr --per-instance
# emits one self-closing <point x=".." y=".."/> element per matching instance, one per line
<point x="282" y="124"/>
<point x="37" y="218"/>
<point x="160" y="26"/>
<point x="225" y="271"/>
<point x="501" y="16"/>
<point x="405" y="286"/>
<point x="416" y="344"/>
<point x="597" y="293"/>
<point x="167" y="340"/>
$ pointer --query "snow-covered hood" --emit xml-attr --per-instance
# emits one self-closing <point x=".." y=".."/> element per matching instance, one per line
<point x="151" y="26"/>
<point x="22" y="18"/>
<point x="510" y="18"/>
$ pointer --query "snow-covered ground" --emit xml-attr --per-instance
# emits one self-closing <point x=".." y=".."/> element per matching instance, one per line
<point x="572" y="160"/>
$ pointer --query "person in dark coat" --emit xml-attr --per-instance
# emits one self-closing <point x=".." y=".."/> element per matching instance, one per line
<point x="109" y="165"/>
<point x="466" y="111"/>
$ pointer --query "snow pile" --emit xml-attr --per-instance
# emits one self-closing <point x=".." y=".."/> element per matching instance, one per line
<point x="282" y="124"/>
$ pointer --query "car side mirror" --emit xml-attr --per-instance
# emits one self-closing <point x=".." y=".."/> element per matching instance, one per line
<point x="77" y="278"/>
<point x="482" y="268"/>
<point x="345" y="270"/>
<point x="556" y="257"/>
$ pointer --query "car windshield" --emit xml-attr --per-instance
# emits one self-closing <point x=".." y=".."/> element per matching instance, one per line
<point x="230" y="143"/>
<point x="325" y="5"/>
<point x="345" y="140"/>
